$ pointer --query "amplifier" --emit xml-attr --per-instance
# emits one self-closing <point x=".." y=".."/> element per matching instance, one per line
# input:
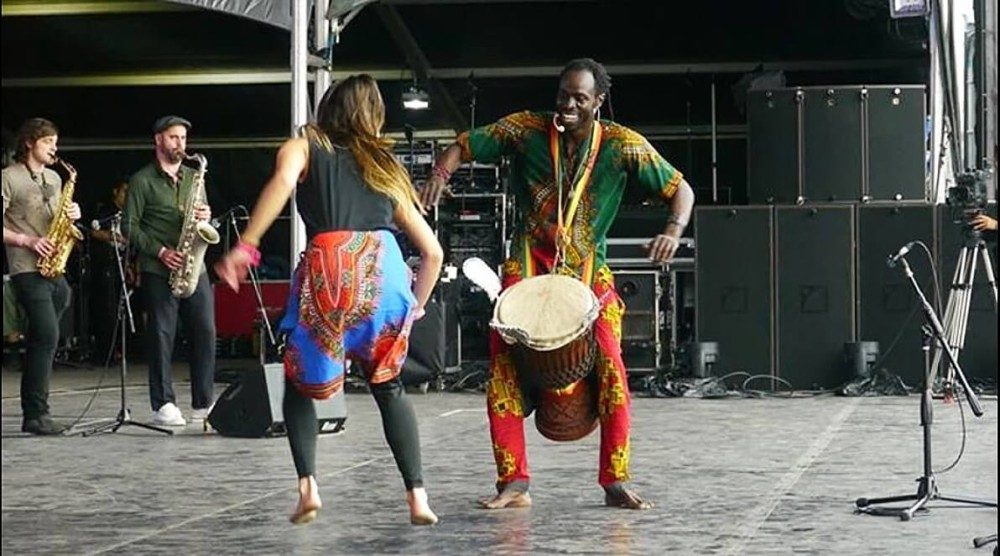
<point x="483" y="239"/>
<point x="641" y="356"/>
<point x="631" y="253"/>
<point x="475" y="177"/>
<point x="640" y="290"/>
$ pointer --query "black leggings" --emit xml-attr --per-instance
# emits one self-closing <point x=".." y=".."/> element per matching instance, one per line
<point x="399" y="422"/>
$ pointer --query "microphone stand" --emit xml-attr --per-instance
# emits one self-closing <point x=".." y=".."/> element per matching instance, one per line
<point x="408" y="132"/>
<point x="472" y="125"/>
<point x="256" y="289"/>
<point x="927" y="489"/>
<point x="127" y="324"/>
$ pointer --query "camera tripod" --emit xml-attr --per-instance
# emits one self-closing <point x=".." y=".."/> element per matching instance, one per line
<point x="956" y="314"/>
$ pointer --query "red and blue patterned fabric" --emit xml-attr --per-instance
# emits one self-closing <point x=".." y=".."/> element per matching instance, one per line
<point x="351" y="298"/>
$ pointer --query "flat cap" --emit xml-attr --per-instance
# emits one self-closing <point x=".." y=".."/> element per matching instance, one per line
<point x="170" y="121"/>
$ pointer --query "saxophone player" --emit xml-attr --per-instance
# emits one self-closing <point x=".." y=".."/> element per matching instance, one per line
<point x="31" y="200"/>
<point x="154" y="216"/>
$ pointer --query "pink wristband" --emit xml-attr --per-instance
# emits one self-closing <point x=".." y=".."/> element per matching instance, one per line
<point x="252" y="251"/>
<point x="441" y="172"/>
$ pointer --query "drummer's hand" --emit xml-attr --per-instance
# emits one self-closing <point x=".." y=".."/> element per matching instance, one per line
<point x="433" y="190"/>
<point x="662" y="248"/>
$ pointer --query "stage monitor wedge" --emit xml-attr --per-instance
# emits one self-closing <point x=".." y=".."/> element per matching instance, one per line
<point x="251" y="406"/>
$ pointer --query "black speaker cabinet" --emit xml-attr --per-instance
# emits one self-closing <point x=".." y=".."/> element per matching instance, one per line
<point x="887" y="306"/>
<point x="832" y="139"/>
<point x="814" y="285"/>
<point x="773" y="145"/>
<point x="251" y="406"/>
<point x="836" y="143"/>
<point x="733" y="286"/>
<point x="978" y="357"/>
<point x="895" y="155"/>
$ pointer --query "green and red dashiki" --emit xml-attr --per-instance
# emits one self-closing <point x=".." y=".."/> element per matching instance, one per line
<point x="625" y="159"/>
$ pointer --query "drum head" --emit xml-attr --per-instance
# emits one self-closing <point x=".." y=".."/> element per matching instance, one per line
<point x="552" y="310"/>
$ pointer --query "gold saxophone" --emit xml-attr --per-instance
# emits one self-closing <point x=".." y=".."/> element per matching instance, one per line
<point x="62" y="234"/>
<point x="196" y="236"/>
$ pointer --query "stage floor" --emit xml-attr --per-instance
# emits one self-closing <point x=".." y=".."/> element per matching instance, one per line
<point x="741" y="476"/>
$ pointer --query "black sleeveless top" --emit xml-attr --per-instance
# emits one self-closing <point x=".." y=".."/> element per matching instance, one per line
<point x="334" y="196"/>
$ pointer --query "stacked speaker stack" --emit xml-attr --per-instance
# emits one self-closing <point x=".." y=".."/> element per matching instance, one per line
<point x="837" y="175"/>
<point x="837" y="144"/>
<point x="473" y="222"/>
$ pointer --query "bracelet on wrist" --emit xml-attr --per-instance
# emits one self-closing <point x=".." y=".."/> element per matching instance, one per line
<point x="441" y="172"/>
<point x="251" y="251"/>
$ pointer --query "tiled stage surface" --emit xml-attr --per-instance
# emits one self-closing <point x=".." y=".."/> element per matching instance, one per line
<point x="738" y="476"/>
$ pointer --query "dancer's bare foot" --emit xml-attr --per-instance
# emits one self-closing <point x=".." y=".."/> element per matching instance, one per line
<point x="514" y="495"/>
<point x="420" y="510"/>
<point x="617" y="495"/>
<point x="309" y="502"/>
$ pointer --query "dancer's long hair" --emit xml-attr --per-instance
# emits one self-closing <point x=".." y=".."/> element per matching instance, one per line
<point x="351" y="115"/>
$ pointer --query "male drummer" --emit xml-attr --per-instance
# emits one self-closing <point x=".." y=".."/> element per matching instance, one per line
<point x="592" y="162"/>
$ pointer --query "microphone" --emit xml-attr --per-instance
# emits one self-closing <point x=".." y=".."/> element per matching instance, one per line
<point x="217" y="221"/>
<point x="894" y="258"/>
<point x="105" y="223"/>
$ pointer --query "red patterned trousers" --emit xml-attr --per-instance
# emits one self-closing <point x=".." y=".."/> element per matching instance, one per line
<point x="505" y="399"/>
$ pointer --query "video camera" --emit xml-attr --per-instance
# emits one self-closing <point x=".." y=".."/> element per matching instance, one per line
<point x="968" y="196"/>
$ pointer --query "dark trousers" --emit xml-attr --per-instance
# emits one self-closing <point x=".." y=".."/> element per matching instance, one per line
<point x="44" y="301"/>
<point x="197" y="314"/>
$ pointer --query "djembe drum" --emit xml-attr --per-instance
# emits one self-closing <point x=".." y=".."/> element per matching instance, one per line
<point x="549" y="322"/>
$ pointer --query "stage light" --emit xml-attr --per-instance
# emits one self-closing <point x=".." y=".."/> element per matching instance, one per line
<point x="907" y="8"/>
<point x="416" y="98"/>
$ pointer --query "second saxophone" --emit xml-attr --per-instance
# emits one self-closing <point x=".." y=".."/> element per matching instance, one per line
<point x="196" y="236"/>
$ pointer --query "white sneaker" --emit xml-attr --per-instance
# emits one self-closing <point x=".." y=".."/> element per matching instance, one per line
<point x="169" y="415"/>
<point x="201" y="414"/>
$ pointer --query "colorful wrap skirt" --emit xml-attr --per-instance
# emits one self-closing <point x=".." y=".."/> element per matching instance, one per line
<point x="351" y="298"/>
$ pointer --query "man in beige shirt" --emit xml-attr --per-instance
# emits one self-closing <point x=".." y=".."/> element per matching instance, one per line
<point x="31" y="194"/>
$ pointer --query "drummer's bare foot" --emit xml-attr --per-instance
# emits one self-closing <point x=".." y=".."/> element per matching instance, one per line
<point x="309" y="502"/>
<point x="617" y="495"/>
<point x="513" y="495"/>
<point x="420" y="510"/>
